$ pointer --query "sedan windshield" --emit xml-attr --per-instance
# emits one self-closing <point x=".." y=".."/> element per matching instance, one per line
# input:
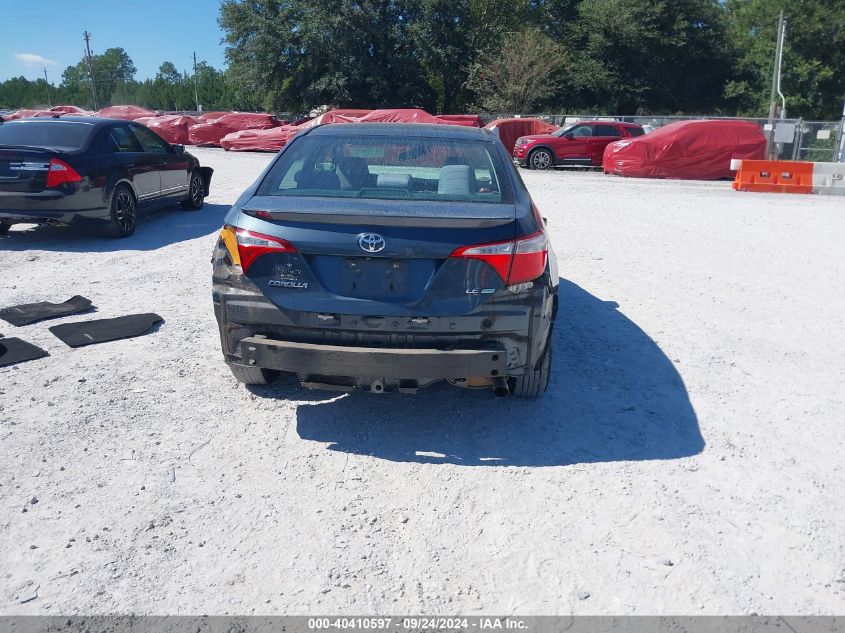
<point x="387" y="167"/>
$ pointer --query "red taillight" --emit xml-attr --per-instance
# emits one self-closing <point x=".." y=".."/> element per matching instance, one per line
<point x="252" y="245"/>
<point x="517" y="261"/>
<point x="60" y="173"/>
<point x="529" y="261"/>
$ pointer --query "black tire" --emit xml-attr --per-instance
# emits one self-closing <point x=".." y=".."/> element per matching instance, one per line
<point x="196" y="193"/>
<point x="4" y="227"/>
<point x="540" y="159"/>
<point x="253" y="375"/>
<point x="124" y="213"/>
<point x="535" y="382"/>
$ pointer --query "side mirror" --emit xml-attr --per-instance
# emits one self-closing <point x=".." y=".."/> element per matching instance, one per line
<point x="178" y="149"/>
<point x="569" y="136"/>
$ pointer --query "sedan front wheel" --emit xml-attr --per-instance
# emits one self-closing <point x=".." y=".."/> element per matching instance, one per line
<point x="196" y="193"/>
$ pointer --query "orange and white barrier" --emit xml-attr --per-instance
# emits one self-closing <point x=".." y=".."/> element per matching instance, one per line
<point x="786" y="176"/>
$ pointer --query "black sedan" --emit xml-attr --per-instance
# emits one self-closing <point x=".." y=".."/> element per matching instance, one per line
<point x="386" y="257"/>
<point x="92" y="171"/>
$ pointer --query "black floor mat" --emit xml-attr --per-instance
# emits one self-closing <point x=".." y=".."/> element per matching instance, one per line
<point x="32" y="312"/>
<point x="14" y="350"/>
<point x="103" y="330"/>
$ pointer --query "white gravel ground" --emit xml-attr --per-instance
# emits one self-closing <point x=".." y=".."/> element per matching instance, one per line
<point x="688" y="457"/>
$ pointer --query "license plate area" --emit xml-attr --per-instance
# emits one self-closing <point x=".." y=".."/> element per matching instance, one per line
<point x="374" y="278"/>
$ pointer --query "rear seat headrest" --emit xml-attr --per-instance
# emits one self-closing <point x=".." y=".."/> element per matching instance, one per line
<point x="394" y="181"/>
<point x="456" y="180"/>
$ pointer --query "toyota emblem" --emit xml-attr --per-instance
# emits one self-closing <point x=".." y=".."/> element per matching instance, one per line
<point x="371" y="242"/>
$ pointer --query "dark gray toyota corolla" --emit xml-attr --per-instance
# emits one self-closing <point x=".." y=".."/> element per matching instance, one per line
<point x="387" y="257"/>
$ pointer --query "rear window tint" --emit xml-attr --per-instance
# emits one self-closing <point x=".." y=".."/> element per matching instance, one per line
<point x="606" y="130"/>
<point x="635" y="131"/>
<point x="385" y="167"/>
<point x="63" y="135"/>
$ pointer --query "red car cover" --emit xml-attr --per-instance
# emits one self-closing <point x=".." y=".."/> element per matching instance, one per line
<point x="70" y="109"/>
<point x="211" y="132"/>
<point x="211" y="116"/>
<point x="400" y="115"/>
<point x="511" y="129"/>
<point x="353" y="113"/>
<point x="173" y="128"/>
<point x="125" y="112"/>
<point x="469" y="120"/>
<point x="272" y="140"/>
<point x="691" y="150"/>
<point x="332" y="116"/>
<point x="25" y="114"/>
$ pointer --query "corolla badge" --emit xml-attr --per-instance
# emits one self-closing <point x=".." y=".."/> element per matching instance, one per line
<point x="371" y="242"/>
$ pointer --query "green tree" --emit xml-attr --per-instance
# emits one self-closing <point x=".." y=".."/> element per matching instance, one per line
<point x="298" y="54"/>
<point x="631" y="56"/>
<point x="19" y="92"/>
<point x="448" y="35"/>
<point x="112" y="68"/>
<point x="524" y="73"/>
<point x="813" y="79"/>
<point x="168" y="74"/>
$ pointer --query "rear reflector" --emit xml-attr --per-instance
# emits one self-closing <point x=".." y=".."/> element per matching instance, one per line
<point x="523" y="259"/>
<point x="252" y="245"/>
<point x="261" y="215"/>
<point x="60" y="173"/>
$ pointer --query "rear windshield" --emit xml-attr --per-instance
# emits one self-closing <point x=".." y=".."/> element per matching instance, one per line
<point x="63" y="135"/>
<point x="386" y="167"/>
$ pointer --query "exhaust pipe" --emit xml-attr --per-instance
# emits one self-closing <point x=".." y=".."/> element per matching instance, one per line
<point x="500" y="388"/>
<point x="377" y="386"/>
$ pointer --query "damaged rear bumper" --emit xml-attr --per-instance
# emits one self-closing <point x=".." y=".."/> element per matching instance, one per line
<point x="309" y="359"/>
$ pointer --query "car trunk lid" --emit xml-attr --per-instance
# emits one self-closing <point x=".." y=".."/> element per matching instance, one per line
<point x="24" y="170"/>
<point x="377" y="257"/>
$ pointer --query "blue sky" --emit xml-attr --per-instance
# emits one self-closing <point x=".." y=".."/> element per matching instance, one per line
<point x="38" y="33"/>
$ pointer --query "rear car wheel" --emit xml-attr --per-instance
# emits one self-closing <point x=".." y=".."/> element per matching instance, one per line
<point x="540" y="159"/>
<point x="535" y="382"/>
<point x="124" y="213"/>
<point x="196" y="193"/>
<point x="4" y="227"/>
<point x="253" y="375"/>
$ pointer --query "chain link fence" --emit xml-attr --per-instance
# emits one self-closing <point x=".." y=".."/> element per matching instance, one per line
<point x="794" y="139"/>
<point x="819" y="141"/>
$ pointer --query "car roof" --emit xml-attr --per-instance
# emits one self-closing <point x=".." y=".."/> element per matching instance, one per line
<point x="93" y="121"/>
<point x="429" y="130"/>
<point x="600" y="122"/>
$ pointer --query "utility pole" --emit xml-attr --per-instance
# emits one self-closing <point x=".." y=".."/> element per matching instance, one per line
<point x="842" y="137"/>
<point x="87" y="36"/>
<point x="196" y="93"/>
<point x="47" y="87"/>
<point x="776" y="72"/>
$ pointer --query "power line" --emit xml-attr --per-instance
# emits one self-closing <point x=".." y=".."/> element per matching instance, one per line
<point x="87" y="36"/>
<point x="196" y="93"/>
<point x="47" y="87"/>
